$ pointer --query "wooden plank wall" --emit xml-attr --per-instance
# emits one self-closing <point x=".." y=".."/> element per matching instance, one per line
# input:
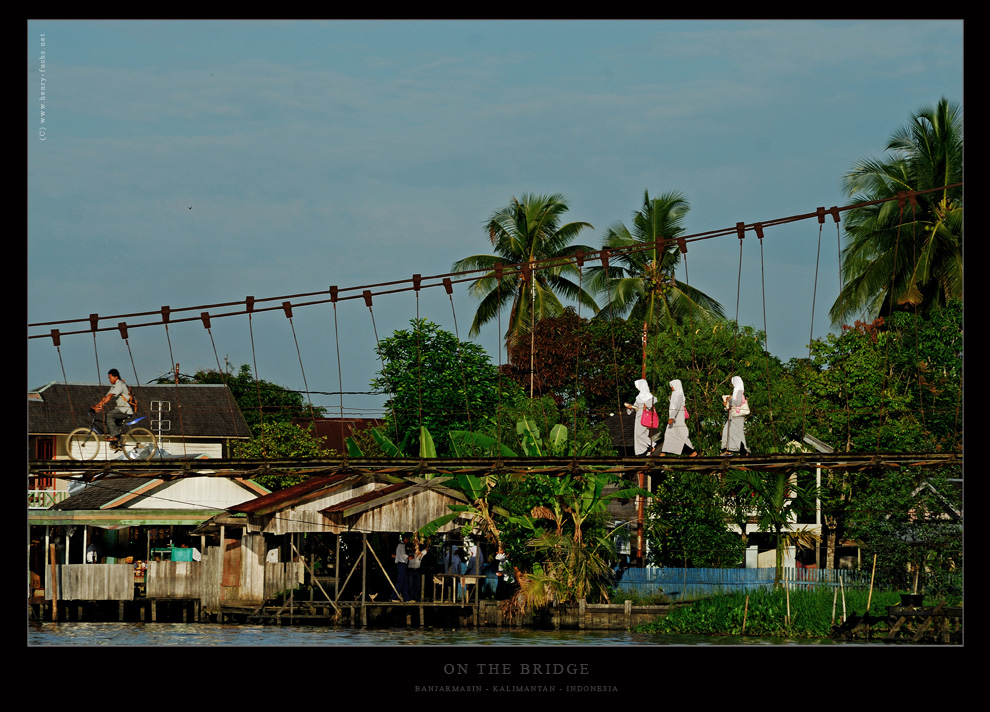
<point x="92" y="582"/>
<point x="211" y="569"/>
<point x="253" y="568"/>
<point x="173" y="579"/>
<point x="282" y="577"/>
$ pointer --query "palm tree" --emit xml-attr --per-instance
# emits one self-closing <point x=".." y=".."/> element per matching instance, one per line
<point x="524" y="232"/>
<point x="775" y="499"/>
<point x="899" y="255"/>
<point x="642" y="287"/>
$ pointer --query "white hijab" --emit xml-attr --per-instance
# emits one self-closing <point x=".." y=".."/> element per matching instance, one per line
<point x="676" y="398"/>
<point x="737" y="386"/>
<point x="644" y="397"/>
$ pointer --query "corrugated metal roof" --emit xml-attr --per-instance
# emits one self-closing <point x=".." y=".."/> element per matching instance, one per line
<point x="296" y="494"/>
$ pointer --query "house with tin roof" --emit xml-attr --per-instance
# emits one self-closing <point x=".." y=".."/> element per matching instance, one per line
<point x="188" y="421"/>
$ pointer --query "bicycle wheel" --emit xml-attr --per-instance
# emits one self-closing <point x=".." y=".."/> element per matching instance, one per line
<point x="138" y="444"/>
<point x="83" y="444"/>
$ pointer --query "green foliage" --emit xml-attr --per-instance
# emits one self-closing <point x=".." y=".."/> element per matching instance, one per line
<point x="524" y="231"/>
<point x="912" y="522"/>
<point x="523" y="419"/>
<point x="641" y="284"/>
<point x="580" y="363"/>
<point x="704" y="359"/>
<point x="766" y="613"/>
<point x="906" y="255"/>
<point x="775" y="497"/>
<point x="436" y="382"/>
<point x="686" y="524"/>
<point x="893" y="385"/>
<point x="276" y="440"/>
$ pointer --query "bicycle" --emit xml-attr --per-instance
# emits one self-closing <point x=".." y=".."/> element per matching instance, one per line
<point x="136" y="443"/>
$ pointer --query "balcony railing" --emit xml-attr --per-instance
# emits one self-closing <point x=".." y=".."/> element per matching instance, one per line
<point x="45" y="499"/>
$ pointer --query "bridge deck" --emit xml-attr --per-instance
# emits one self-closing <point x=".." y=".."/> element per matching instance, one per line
<point x="415" y="467"/>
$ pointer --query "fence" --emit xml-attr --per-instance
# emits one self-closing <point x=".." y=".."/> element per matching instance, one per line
<point x="92" y="582"/>
<point x="45" y="499"/>
<point x="679" y="584"/>
<point x="173" y="579"/>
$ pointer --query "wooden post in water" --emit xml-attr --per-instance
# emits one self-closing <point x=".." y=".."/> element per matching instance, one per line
<point x="364" y="580"/>
<point x="54" y="583"/>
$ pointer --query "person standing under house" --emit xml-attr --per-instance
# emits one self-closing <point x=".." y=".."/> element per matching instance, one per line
<point x="122" y="409"/>
<point x="676" y="436"/>
<point x="642" y="443"/>
<point x="401" y="557"/>
<point x="415" y="563"/>
<point x="734" y="433"/>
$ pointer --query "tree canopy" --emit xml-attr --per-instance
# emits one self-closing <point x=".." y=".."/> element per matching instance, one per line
<point x="435" y="381"/>
<point x="526" y="231"/>
<point x="641" y="285"/>
<point x="906" y="254"/>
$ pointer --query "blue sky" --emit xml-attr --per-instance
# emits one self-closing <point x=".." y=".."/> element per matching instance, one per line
<point x="347" y="153"/>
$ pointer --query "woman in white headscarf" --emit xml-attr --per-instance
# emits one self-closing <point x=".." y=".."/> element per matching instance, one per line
<point x="734" y="434"/>
<point x="642" y="443"/>
<point x="676" y="436"/>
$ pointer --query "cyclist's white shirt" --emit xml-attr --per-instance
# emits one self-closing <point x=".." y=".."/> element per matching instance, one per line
<point x="121" y="390"/>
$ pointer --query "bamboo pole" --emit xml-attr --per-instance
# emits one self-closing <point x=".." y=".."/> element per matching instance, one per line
<point x="787" y="596"/>
<point x="387" y="578"/>
<point x="869" y="598"/>
<point x="745" y="611"/>
<point x="843" y="589"/>
<point x="835" y="597"/>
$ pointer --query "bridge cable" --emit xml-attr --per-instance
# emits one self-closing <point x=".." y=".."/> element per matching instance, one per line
<point x="93" y="321"/>
<point x="811" y="336"/>
<point x="122" y="326"/>
<point x="340" y="377"/>
<point x="579" y="261"/>
<point x="287" y="308"/>
<point x="249" y="305"/>
<point x="381" y="356"/>
<point x="449" y="288"/>
<point x="419" y="362"/>
<point x="845" y="371"/>
<point x="166" y="311"/>
<point x="766" y="338"/>
<point x="205" y="317"/>
<point x="57" y="341"/>
<point x="604" y="256"/>
<point x="901" y="199"/>
<point x="549" y="262"/>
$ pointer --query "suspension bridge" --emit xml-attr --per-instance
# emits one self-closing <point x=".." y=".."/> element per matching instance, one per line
<point x="335" y="298"/>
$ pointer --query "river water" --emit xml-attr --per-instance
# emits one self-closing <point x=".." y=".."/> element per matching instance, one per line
<point x="196" y="634"/>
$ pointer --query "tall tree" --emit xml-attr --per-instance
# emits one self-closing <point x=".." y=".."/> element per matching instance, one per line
<point x="524" y="232"/>
<point x="906" y="254"/>
<point x="437" y="382"/>
<point x="642" y="286"/>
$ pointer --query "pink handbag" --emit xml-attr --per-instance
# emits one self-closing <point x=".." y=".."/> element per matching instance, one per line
<point x="649" y="419"/>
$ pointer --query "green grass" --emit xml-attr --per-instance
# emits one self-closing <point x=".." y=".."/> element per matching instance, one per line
<point x="811" y="613"/>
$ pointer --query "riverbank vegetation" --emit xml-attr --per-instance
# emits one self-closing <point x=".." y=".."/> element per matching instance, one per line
<point x="777" y="612"/>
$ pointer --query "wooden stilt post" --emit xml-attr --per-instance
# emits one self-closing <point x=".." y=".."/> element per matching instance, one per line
<point x="54" y="566"/>
<point x="364" y="581"/>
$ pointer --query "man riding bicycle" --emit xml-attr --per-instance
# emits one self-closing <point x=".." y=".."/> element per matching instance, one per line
<point x="123" y="409"/>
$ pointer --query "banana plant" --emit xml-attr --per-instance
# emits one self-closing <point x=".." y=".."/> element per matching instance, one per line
<point x="427" y="448"/>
